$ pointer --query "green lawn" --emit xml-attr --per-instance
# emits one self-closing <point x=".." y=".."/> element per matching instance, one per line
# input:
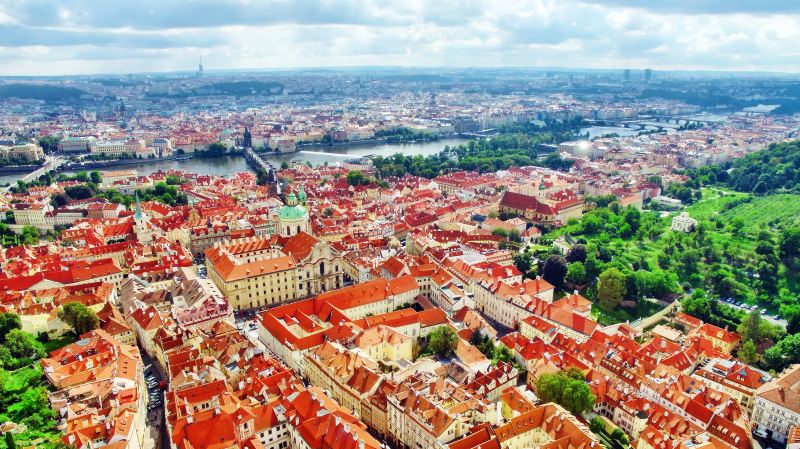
<point x="643" y="309"/>
<point x="762" y="211"/>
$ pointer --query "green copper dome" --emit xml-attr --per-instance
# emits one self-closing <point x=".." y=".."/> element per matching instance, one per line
<point x="292" y="210"/>
<point x="293" y="213"/>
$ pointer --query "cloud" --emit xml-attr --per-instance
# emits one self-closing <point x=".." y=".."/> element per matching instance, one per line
<point x="716" y="7"/>
<point x="40" y="37"/>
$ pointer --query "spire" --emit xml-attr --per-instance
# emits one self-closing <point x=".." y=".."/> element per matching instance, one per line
<point x="139" y="215"/>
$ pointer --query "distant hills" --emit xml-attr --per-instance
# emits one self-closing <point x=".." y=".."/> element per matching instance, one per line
<point x="39" y="92"/>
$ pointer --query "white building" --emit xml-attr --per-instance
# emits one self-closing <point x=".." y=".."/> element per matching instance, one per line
<point x="777" y="405"/>
<point x="683" y="223"/>
<point x="130" y="147"/>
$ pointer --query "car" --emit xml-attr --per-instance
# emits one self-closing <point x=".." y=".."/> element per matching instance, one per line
<point x="763" y="311"/>
<point x="754" y="308"/>
<point x="776" y="317"/>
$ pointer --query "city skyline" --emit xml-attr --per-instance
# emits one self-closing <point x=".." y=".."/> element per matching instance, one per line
<point x="78" y="37"/>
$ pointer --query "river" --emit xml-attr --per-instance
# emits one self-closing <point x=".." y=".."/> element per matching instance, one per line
<point x="598" y="131"/>
<point x="225" y="165"/>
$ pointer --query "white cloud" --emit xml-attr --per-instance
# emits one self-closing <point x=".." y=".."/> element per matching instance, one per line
<point x="121" y="36"/>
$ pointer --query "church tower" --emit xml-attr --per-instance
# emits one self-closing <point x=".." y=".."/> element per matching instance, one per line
<point x="293" y="217"/>
<point x="141" y="223"/>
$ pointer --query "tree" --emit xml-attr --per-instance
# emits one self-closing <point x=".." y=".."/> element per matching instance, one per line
<point x="79" y="192"/>
<point x="10" y="444"/>
<point x="8" y="322"/>
<point x="748" y="352"/>
<point x="61" y="200"/>
<point x="791" y="313"/>
<point x="554" y="270"/>
<point x="619" y="436"/>
<point x="443" y="340"/>
<point x="49" y="144"/>
<point x="356" y="178"/>
<point x="96" y="177"/>
<point x="6" y="359"/>
<point x="22" y="344"/>
<point x="217" y="148"/>
<point x="30" y="235"/>
<point x="750" y="329"/>
<point x="576" y="273"/>
<point x="500" y="232"/>
<point x="577" y="253"/>
<point x="563" y="388"/>
<point x="79" y="317"/>
<point x="655" y="283"/>
<point x="789" y="243"/>
<point x="523" y="262"/>
<point x="596" y="425"/>
<point x="33" y="401"/>
<point x="611" y="288"/>
<point x="783" y="353"/>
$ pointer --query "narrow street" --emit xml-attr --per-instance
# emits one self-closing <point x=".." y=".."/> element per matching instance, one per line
<point x="155" y="416"/>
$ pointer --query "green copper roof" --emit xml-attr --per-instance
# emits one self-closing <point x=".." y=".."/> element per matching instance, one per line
<point x="293" y="213"/>
<point x="139" y="215"/>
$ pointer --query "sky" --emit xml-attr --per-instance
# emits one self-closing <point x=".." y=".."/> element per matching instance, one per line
<point x="60" y="37"/>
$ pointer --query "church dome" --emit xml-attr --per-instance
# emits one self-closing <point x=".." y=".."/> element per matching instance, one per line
<point x="293" y="213"/>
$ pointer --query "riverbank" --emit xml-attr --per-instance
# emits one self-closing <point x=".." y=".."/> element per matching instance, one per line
<point x="381" y="141"/>
<point x="120" y="162"/>
<point x="19" y="168"/>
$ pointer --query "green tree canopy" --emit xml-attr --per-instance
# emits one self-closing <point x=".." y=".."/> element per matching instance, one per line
<point x="443" y="340"/>
<point x="81" y="318"/>
<point x="22" y="344"/>
<point x="554" y="270"/>
<point x="748" y="352"/>
<point x="568" y="389"/>
<point x="356" y="178"/>
<point x="576" y="273"/>
<point x="611" y="288"/>
<point x="8" y="322"/>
